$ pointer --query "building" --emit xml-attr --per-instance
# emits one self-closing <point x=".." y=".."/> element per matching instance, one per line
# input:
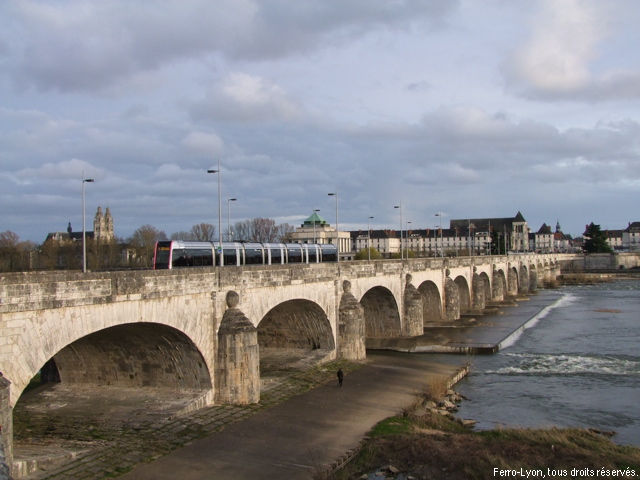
<point x="421" y="242"/>
<point x="546" y="241"/>
<point x="102" y="230"/>
<point x="631" y="237"/>
<point x="387" y="242"/>
<point x="614" y="238"/>
<point x="316" y="229"/>
<point x="543" y="239"/>
<point x="463" y="237"/>
<point x="512" y="230"/>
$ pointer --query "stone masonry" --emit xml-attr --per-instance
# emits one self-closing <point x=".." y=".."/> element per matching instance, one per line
<point x="183" y="329"/>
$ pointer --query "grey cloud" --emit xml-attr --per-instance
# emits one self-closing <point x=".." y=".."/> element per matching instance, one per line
<point x="79" y="46"/>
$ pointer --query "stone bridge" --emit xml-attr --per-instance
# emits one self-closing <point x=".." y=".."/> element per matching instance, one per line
<point x="212" y="330"/>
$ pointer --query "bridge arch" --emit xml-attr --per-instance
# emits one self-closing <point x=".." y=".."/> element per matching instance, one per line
<point x="431" y="301"/>
<point x="134" y="355"/>
<point x="188" y="322"/>
<point x="381" y="313"/>
<point x="294" y="330"/>
<point x="465" y="296"/>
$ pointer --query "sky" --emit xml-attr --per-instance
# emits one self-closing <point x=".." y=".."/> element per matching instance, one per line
<point x="470" y="108"/>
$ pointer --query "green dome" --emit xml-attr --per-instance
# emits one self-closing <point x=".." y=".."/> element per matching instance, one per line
<point x="314" y="219"/>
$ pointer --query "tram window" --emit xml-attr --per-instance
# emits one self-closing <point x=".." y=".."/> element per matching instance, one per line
<point x="183" y="257"/>
<point x="295" y="254"/>
<point x="276" y="256"/>
<point x="162" y="255"/>
<point x="253" y="256"/>
<point x="313" y="254"/>
<point x="230" y="256"/>
<point x="329" y="253"/>
<point x="200" y="258"/>
<point x="179" y="258"/>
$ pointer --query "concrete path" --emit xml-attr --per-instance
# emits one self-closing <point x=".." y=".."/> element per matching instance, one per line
<point x="295" y="438"/>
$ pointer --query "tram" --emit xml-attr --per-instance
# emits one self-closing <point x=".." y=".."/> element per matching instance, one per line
<point x="177" y="253"/>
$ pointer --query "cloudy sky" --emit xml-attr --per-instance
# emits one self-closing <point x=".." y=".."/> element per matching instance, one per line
<point x="472" y="108"/>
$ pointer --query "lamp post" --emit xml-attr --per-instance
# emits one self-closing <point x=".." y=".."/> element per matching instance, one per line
<point x="219" y="172"/>
<point x="401" y="252"/>
<point x="440" y="214"/>
<point x="84" y="233"/>
<point x="229" y="200"/>
<point x="315" y="210"/>
<point x="335" y="194"/>
<point x="369" y="237"/>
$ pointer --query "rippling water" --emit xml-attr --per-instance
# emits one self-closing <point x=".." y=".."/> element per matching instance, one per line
<point x="578" y="366"/>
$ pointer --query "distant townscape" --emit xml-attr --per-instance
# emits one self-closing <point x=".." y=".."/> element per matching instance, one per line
<point x="471" y="236"/>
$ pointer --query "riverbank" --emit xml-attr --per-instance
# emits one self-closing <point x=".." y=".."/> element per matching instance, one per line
<point x="427" y="441"/>
<point x="424" y="444"/>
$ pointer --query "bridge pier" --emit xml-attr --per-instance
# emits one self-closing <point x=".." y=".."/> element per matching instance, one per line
<point x="533" y="280"/>
<point x="6" y="426"/>
<point x="452" y="300"/>
<point x="498" y="287"/>
<point x="479" y="300"/>
<point x="237" y="370"/>
<point x="523" y="276"/>
<point x="351" y="326"/>
<point x="413" y="324"/>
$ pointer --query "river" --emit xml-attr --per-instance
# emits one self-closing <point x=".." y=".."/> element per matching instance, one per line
<point x="577" y="366"/>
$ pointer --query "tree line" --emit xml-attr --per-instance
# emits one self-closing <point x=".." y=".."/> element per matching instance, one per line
<point x="133" y="252"/>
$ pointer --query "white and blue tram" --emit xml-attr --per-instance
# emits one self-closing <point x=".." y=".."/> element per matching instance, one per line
<point x="177" y="253"/>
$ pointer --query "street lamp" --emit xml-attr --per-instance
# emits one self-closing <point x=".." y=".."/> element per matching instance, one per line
<point x="229" y="200"/>
<point x="369" y="237"/>
<point x="84" y="233"/>
<point x="335" y="194"/>
<point x="401" y="252"/>
<point x="219" y="172"/>
<point x="315" y="210"/>
<point x="440" y="214"/>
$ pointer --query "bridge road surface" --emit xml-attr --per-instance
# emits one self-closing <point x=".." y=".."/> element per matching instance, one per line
<point x="292" y="439"/>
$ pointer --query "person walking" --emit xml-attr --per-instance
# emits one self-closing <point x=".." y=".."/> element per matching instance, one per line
<point x="340" y="377"/>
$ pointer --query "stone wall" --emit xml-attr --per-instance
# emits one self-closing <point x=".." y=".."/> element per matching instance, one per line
<point x="601" y="261"/>
<point x="6" y="429"/>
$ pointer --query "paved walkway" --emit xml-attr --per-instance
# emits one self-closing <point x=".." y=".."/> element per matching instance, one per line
<point x="297" y="437"/>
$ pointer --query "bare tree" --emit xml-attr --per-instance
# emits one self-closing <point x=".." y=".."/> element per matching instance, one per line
<point x="242" y="231"/>
<point x="284" y="232"/>
<point x="264" y="230"/>
<point x="184" y="236"/>
<point x="9" y="239"/>
<point x="203" y="232"/>
<point x="144" y="240"/>
<point x="14" y="254"/>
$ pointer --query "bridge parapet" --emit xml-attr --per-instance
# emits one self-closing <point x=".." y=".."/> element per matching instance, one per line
<point x="47" y="290"/>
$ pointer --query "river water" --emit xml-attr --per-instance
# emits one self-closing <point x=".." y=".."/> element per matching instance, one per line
<point x="578" y="366"/>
